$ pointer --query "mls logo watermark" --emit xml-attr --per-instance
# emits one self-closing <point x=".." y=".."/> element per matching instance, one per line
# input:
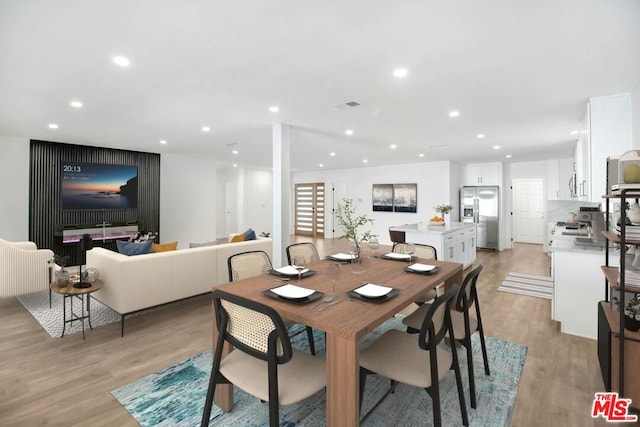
<point x="612" y="408"/>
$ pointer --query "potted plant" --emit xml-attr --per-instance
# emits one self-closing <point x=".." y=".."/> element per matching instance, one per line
<point x="352" y="224"/>
<point x="443" y="210"/>
<point x="631" y="313"/>
<point x="62" y="276"/>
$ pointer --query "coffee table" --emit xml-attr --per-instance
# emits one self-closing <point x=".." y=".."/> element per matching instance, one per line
<point x="70" y="292"/>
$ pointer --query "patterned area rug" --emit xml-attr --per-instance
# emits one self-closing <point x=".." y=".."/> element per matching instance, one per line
<point x="51" y="318"/>
<point x="175" y="395"/>
<point x="528" y="284"/>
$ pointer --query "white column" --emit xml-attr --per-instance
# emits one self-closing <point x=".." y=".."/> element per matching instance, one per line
<point x="281" y="193"/>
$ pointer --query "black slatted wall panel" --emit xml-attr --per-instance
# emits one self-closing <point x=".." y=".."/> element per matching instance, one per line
<point x="45" y="208"/>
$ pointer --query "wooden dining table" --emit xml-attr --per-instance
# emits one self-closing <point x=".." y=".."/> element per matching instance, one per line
<point x="344" y="322"/>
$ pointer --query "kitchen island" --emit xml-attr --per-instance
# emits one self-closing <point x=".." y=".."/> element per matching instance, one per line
<point x="578" y="284"/>
<point x="453" y="241"/>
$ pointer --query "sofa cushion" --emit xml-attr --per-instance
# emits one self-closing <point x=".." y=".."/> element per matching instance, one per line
<point x="237" y="238"/>
<point x="199" y="245"/>
<point x="134" y="248"/>
<point x="164" y="247"/>
<point x="250" y="234"/>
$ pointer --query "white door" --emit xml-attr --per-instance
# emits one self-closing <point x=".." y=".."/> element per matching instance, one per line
<point x="528" y="210"/>
<point x="230" y="207"/>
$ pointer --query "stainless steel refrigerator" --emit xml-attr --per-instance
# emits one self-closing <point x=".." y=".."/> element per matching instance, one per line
<point x="481" y="205"/>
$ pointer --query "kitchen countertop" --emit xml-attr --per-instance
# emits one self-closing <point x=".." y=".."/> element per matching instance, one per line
<point x="562" y="242"/>
<point x="428" y="228"/>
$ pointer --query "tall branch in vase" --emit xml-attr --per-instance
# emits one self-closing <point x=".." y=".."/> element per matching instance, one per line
<point x="352" y="223"/>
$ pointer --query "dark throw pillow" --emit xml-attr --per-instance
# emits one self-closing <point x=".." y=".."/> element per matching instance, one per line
<point x="133" y="248"/>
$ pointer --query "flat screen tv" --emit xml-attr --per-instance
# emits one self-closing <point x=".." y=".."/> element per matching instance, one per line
<point x="99" y="186"/>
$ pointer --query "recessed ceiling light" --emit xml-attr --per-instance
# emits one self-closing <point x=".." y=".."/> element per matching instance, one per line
<point x="393" y="146"/>
<point x="400" y="73"/>
<point x="76" y="104"/>
<point x="163" y="141"/>
<point x="348" y="132"/>
<point x="121" y="61"/>
<point x="508" y="156"/>
<point x="235" y="151"/>
<point x="53" y="126"/>
<point x="575" y="132"/>
<point x="454" y="113"/>
<point x="332" y="154"/>
<point x="321" y="165"/>
<point x="480" y="135"/>
<point x="365" y="161"/>
<point x="205" y="128"/>
<point x="274" y="109"/>
<point x="421" y="155"/>
<point x="235" y="165"/>
<point x="496" y="147"/>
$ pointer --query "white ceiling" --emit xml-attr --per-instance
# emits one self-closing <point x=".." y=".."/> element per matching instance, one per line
<point x="518" y="71"/>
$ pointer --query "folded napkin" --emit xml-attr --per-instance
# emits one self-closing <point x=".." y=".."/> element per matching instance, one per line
<point x="372" y="290"/>
<point x="395" y="255"/>
<point x="421" y="267"/>
<point x="343" y="257"/>
<point x="289" y="270"/>
<point x="292" y="291"/>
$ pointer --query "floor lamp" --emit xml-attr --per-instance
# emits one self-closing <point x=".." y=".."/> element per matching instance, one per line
<point x="86" y="243"/>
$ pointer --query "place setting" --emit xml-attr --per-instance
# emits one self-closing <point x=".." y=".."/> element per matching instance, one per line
<point x="373" y="292"/>
<point x="419" y="268"/>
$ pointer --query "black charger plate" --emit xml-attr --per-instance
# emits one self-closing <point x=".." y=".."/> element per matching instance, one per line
<point x="314" y="296"/>
<point x="307" y="273"/>
<point x="392" y="293"/>
<point x="434" y="271"/>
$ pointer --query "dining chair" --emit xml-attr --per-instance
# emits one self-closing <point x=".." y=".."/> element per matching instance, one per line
<point x="257" y="263"/>
<point x="262" y="362"/>
<point x="421" y="251"/>
<point x="305" y="249"/>
<point x="396" y="236"/>
<point x="419" y="362"/>
<point x="465" y="323"/>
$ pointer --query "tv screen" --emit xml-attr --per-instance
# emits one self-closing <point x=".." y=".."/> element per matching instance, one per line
<point x="99" y="186"/>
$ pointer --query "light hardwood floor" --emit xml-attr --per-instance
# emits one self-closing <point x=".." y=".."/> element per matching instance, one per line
<point x="67" y="382"/>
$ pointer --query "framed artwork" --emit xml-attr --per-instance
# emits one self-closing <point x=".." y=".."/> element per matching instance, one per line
<point x="382" y="197"/>
<point x="405" y="198"/>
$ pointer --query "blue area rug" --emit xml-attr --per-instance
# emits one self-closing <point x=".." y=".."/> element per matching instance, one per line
<point x="175" y="395"/>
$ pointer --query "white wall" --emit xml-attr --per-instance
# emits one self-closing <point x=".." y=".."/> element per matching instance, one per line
<point x="188" y="199"/>
<point x="433" y="189"/>
<point x="258" y="200"/>
<point x="14" y="176"/>
<point x="635" y="116"/>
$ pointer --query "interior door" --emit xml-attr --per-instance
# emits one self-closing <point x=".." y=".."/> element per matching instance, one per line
<point x="309" y="209"/>
<point x="528" y="210"/>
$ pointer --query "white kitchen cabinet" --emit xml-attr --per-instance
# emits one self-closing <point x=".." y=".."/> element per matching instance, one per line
<point x="609" y="119"/>
<point x="455" y="242"/>
<point x="482" y="174"/>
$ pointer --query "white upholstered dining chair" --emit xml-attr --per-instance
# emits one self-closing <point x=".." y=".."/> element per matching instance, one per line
<point x="24" y="269"/>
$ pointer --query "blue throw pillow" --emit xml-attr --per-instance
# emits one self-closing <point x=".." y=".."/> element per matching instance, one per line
<point x="249" y="235"/>
<point x="134" y="248"/>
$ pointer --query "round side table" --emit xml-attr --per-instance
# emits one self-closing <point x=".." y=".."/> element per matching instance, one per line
<point x="71" y="292"/>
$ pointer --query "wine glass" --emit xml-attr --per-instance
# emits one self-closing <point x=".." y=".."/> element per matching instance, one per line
<point x="410" y="249"/>
<point x="374" y="245"/>
<point x="299" y="263"/>
<point x="333" y="273"/>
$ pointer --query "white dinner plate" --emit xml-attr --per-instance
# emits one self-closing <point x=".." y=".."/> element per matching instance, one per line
<point x="289" y="270"/>
<point x="394" y="255"/>
<point x="371" y="290"/>
<point x="292" y="291"/>
<point x="421" y="267"/>
<point x="343" y="257"/>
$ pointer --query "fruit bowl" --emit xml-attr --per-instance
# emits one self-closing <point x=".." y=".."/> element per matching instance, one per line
<point x="437" y="223"/>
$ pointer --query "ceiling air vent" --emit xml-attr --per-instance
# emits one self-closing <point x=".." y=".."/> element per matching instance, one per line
<point x="347" y="105"/>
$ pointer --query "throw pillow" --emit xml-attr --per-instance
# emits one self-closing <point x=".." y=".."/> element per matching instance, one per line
<point x="250" y="234"/>
<point x="238" y="238"/>
<point x="134" y="248"/>
<point x="199" y="245"/>
<point x="164" y="247"/>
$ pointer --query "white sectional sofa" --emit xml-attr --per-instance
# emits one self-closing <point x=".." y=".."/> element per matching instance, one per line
<point x="133" y="283"/>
